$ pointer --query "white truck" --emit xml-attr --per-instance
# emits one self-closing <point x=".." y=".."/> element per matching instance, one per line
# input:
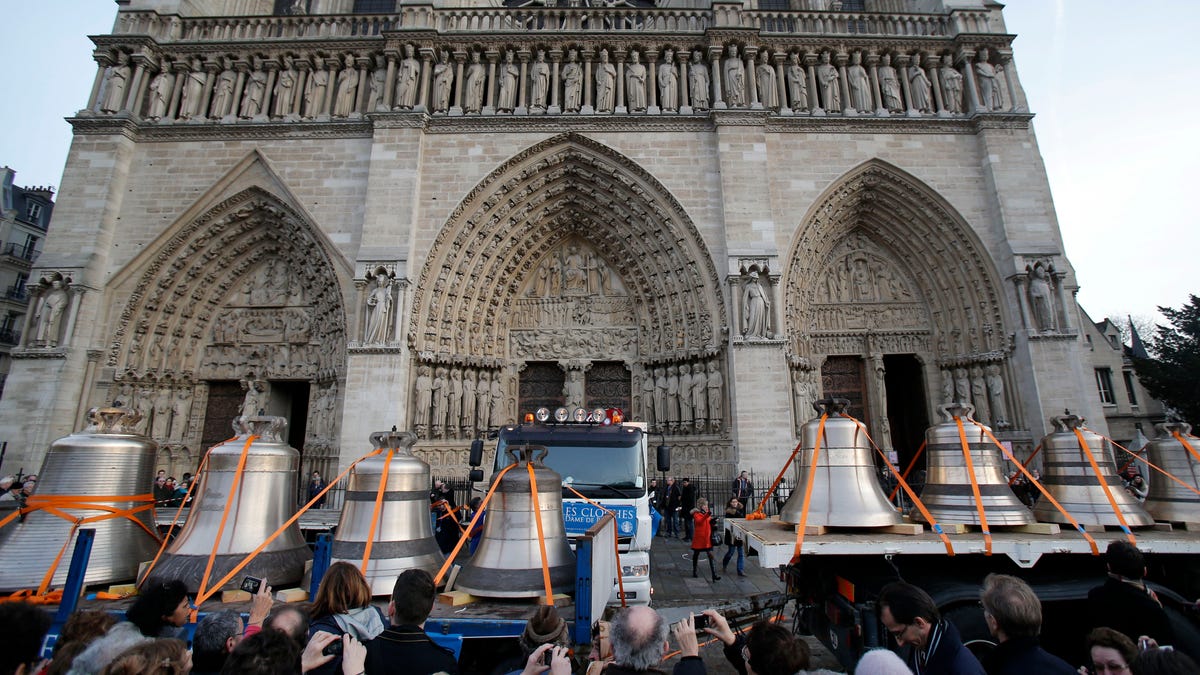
<point x="604" y="459"/>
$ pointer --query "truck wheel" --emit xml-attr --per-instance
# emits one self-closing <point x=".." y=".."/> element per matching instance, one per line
<point x="971" y="625"/>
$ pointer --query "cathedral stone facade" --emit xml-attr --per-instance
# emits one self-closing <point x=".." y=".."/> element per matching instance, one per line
<point x="439" y="216"/>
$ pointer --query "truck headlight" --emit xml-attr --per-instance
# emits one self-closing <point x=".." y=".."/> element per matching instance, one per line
<point x="641" y="570"/>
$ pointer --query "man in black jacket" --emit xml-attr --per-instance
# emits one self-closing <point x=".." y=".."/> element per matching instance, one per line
<point x="1014" y="616"/>
<point x="670" y="501"/>
<point x="404" y="648"/>
<point x="1124" y="602"/>
<point x="687" y="502"/>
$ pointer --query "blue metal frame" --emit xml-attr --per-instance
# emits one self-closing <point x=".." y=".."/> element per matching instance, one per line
<point x="583" y="591"/>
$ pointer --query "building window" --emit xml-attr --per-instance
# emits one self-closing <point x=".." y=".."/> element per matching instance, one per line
<point x="1128" y="375"/>
<point x="1104" y="386"/>
<point x="291" y="7"/>
<point x="374" y="6"/>
<point x="33" y="211"/>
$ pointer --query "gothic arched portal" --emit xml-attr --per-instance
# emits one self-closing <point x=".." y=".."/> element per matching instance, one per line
<point x="572" y="257"/>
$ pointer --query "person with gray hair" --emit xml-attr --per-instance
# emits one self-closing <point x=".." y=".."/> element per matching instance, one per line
<point x="1014" y="617"/>
<point x="216" y="636"/>
<point x="639" y="641"/>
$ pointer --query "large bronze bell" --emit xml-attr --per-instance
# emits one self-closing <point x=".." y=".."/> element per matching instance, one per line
<point x="1168" y="500"/>
<point x="508" y="562"/>
<point x="948" y="495"/>
<point x="107" y="459"/>
<point x="846" y="490"/>
<point x="1067" y="474"/>
<point x="402" y="538"/>
<point x="265" y="499"/>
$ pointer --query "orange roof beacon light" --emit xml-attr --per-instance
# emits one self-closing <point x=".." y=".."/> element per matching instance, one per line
<point x="616" y="416"/>
<point x="528" y="418"/>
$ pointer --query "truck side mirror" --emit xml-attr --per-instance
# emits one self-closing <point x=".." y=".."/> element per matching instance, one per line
<point x="475" y="476"/>
<point x="476" y="457"/>
<point x="664" y="458"/>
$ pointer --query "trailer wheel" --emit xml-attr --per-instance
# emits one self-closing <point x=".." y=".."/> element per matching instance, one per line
<point x="971" y="625"/>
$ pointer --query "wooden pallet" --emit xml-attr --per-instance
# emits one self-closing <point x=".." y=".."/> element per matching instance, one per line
<point x="1171" y="526"/>
<point x="1031" y="528"/>
<point x="1088" y="527"/>
<point x="459" y="598"/>
<point x="907" y="529"/>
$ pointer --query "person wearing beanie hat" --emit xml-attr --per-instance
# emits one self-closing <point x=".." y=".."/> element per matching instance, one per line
<point x="544" y="627"/>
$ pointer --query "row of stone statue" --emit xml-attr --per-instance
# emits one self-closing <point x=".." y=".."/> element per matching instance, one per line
<point x="163" y="411"/>
<point x="524" y="82"/>
<point x="454" y="402"/>
<point x="982" y="386"/>
<point x="684" y="398"/>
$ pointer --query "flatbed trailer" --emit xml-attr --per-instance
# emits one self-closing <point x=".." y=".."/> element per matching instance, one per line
<point x="838" y="575"/>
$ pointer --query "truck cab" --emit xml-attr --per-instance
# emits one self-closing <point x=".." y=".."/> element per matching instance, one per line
<point x="604" y="459"/>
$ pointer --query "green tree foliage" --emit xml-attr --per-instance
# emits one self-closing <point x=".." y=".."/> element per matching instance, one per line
<point x="1172" y="372"/>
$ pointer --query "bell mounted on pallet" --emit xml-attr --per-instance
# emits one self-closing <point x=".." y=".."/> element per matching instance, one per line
<point x="846" y="490"/>
<point x="948" y="495"/>
<point x="1168" y="500"/>
<point x="107" y="459"/>
<point x="401" y="537"/>
<point x="1068" y="475"/>
<point x="508" y="561"/>
<point x="252" y="505"/>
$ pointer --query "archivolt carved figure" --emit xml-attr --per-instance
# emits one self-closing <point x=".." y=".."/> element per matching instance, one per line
<point x="379" y="310"/>
<point x="698" y="85"/>
<point x="756" y="322"/>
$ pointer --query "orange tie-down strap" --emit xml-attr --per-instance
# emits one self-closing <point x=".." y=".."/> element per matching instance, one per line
<point x="1135" y="457"/>
<point x="1112" y="501"/>
<point x="55" y="505"/>
<point x="758" y="514"/>
<point x="1038" y="484"/>
<point x="1025" y="464"/>
<point x="202" y="592"/>
<point x="908" y="469"/>
<point x="616" y="542"/>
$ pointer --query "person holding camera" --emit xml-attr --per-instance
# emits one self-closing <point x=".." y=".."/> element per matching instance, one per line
<point x="343" y="605"/>
<point x="768" y="649"/>
<point x="701" y="519"/>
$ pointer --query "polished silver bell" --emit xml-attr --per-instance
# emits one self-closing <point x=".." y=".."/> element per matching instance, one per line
<point x="948" y="495"/>
<point x="846" y="490"/>
<point x="402" y="538"/>
<point x="1067" y="474"/>
<point x="106" y="459"/>
<point x="264" y="501"/>
<point x="1168" y="500"/>
<point x="508" y="561"/>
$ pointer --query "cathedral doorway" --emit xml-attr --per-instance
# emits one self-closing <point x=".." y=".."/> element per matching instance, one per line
<point x="224" y="404"/>
<point x="541" y="385"/>
<point x="844" y="377"/>
<point x="906" y="396"/>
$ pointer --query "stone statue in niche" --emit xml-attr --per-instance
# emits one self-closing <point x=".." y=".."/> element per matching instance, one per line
<point x="160" y="427"/>
<point x="716" y="387"/>
<point x="476" y="78"/>
<point x="649" y="410"/>
<point x="995" y="395"/>
<point x="952" y="85"/>
<point x="606" y="83"/>
<point x="686" y="416"/>
<point x="989" y="89"/>
<point x="256" y="91"/>
<point x="222" y="95"/>
<point x="660" y="397"/>
<point x="889" y="85"/>
<point x="668" y="83"/>
<point x="483" y="400"/>
<point x="768" y="90"/>
<point x="698" y="86"/>
<point x="377" y="86"/>
<point x="756" y="322"/>
<point x="635" y="83"/>
<point x="258" y="397"/>
<point x="859" y="84"/>
<point x="962" y="386"/>
<point x="160" y="92"/>
<point x="1040" y="298"/>
<point x="979" y="394"/>
<point x="443" y="81"/>
<point x="454" y="402"/>
<point x="573" y="389"/>
<point x="572" y="76"/>
<point x="346" y="94"/>
<point x="509" y="74"/>
<point x="285" y="89"/>
<point x="270" y="285"/>
<point x="424" y="399"/>
<point x="467" y="425"/>
<point x="115" y="84"/>
<point x="699" y="397"/>
<point x="797" y="82"/>
<point x="144" y="406"/>
<point x="440" y="390"/>
<point x="947" y="386"/>
<point x="407" y="80"/>
<point x="180" y="412"/>
<point x="498" y="406"/>
<point x="47" y="319"/>
<point x="804" y="394"/>
<point x="919" y="87"/>
<point x="735" y="78"/>
<point x="831" y="87"/>
<point x="314" y="89"/>
<point x="673" y="398"/>
<point x="539" y="82"/>
<point x="193" y="91"/>
<point x="379" y="309"/>
<point x="574" y="276"/>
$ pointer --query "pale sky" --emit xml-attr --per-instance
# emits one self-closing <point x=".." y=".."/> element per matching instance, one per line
<point x="1112" y="83"/>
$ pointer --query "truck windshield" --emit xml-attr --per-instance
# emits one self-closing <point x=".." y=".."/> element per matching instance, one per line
<point x="604" y="465"/>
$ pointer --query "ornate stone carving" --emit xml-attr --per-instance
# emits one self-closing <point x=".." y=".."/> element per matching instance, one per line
<point x="116" y="80"/>
<point x="859" y="84"/>
<point x="508" y="74"/>
<point x="919" y="87"/>
<point x="256" y="91"/>
<point x="952" y="85"/>
<point x="797" y="83"/>
<point x="379" y="308"/>
<point x="768" y="91"/>
<point x="193" y="91"/>
<point x="258" y="397"/>
<point x="222" y="94"/>
<point x="831" y="88"/>
<point x="314" y="89"/>
<point x="735" y="78"/>
<point x="698" y="84"/>
<point x="990" y="97"/>
<point x="539" y="81"/>
<point x="572" y="77"/>
<point x="284" y="100"/>
<point x="668" y="83"/>
<point x="160" y="92"/>
<point x="805" y="391"/>
<point x="1041" y="295"/>
<point x="635" y="83"/>
<point x="889" y="85"/>
<point x="345" y="96"/>
<point x="50" y="305"/>
<point x="407" y="80"/>
<point x="756" y="308"/>
<point x="606" y="83"/>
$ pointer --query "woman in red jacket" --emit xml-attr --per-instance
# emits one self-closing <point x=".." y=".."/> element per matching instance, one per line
<point x="702" y="537"/>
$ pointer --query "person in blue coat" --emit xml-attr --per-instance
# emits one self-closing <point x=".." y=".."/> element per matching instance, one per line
<point x="1014" y="617"/>
<point x="913" y="620"/>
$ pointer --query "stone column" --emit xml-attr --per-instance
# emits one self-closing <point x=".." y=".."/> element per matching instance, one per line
<point x="935" y="83"/>
<point x="873" y="71"/>
<point x="839" y="60"/>
<point x="966" y="57"/>
<point x="242" y="68"/>
<point x="103" y="61"/>
<point x="297" y="106"/>
<point x="422" y="103"/>
<point x="620" y="106"/>
<point x="181" y="70"/>
<point x="749" y="59"/>
<point x="389" y="85"/>
<point x="272" y="67"/>
<point x="555" y="59"/>
<point x="652" y="95"/>
<point x="714" y="61"/>
<point x="586" y="57"/>
<point x="137" y="88"/>
<point x="901" y="61"/>
<point x="1064" y="303"/>
<point x="489" y="107"/>
<point x="331" y="65"/>
<point x="522" y="106"/>
<point x="1022" y="283"/>
<point x="364" y="84"/>
<point x="210" y="68"/>
<point x="781" y="83"/>
<point x="685" y="107"/>
<point x="814" y="94"/>
<point x="1009" y="76"/>
<point x="460" y="57"/>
